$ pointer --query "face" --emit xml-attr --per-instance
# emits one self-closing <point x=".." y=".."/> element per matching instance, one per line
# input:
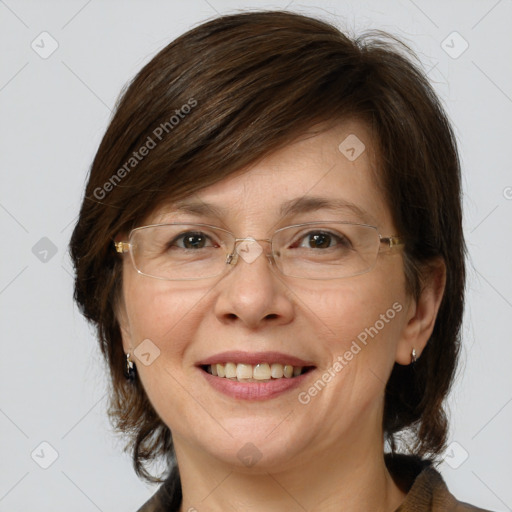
<point x="345" y="333"/>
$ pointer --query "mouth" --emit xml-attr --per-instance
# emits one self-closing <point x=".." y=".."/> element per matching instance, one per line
<point x="261" y="372"/>
<point x="254" y="376"/>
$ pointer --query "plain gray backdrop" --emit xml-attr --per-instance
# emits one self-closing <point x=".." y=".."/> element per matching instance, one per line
<point x="63" y="66"/>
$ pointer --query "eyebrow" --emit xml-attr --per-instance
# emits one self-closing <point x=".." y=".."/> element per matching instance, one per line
<point x="308" y="204"/>
<point x="304" y="204"/>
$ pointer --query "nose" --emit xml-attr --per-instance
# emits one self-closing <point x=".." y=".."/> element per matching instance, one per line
<point x="253" y="294"/>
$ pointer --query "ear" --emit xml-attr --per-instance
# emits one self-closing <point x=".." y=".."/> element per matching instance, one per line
<point x="422" y="314"/>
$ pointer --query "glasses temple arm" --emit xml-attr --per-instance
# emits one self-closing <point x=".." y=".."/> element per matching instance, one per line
<point x="391" y="241"/>
<point x="122" y="246"/>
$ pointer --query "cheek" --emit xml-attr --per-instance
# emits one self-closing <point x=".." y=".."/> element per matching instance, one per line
<point x="166" y="313"/>
<point x="362" y="316"/>
<point x="162" y="322"/>
<point x="155" y="307"/>
<point x="362" y="320"/>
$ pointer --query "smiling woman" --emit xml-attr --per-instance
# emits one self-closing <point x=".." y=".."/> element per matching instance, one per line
<point x="278" y="285"/>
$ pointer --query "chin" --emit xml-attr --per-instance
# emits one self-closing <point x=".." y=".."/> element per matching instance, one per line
<point x="253" y="445"/>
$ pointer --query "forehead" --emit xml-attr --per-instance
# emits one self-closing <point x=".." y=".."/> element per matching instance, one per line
<point x="333" y="169"/>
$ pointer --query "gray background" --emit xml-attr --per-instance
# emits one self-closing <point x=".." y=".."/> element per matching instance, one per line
<point x="54" y="111"/>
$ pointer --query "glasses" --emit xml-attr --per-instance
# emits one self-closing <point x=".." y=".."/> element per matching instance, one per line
<point x="314" y="250"/>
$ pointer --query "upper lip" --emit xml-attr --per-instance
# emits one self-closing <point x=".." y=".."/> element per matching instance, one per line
<point x="236" y="356"/>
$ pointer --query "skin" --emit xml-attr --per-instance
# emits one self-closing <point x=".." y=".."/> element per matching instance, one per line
<point x="327" y="454"/>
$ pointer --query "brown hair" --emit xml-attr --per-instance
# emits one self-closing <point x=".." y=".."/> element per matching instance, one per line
<point x="222" y="96"/>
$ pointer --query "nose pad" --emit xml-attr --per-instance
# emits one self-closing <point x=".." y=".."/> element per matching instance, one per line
<point x="248" y="249"/>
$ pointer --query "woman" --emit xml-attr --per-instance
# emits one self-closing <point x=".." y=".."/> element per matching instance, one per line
<point x="270" y="246"/>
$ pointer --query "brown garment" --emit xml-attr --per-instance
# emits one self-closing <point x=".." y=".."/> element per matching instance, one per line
<point x="425" y="488"/>
<point x="429" y="493"/>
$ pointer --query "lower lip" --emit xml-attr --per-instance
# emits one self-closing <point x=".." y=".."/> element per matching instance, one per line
<point x="254" y="390"/>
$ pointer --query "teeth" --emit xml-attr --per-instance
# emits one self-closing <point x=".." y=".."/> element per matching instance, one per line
<point x="276" y="370"/>
<point x="243" y="371"/>
<point x="221" y="372"/>
<point x="230" y="370"/>
<point x="259" y="372"/>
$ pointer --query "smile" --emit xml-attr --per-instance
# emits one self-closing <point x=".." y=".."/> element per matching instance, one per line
<point x="261" y="372"/>
<point x="255" y="376"/>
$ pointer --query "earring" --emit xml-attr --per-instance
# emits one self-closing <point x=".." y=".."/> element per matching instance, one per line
<point x="413" y="356"/>
<point x="130" y="369"/>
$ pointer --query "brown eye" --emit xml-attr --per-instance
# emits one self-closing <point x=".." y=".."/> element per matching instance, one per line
<point x="191" y="241"/>
<point x="323" y="240"/>
<point x="319" y="240"/>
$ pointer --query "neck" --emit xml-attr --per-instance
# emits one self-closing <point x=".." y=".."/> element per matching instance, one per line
<point x="354" y="477"/>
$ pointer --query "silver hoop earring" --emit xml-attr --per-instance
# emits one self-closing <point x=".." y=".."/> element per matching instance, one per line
<point x="413" y="356"/>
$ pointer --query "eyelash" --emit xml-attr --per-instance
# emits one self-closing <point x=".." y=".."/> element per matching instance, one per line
<point x="297" y="243"/>
<point x="337" y="238"/>
<point x="173" y="242"/>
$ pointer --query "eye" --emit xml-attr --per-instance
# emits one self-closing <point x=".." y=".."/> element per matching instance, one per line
<point x="191" y="240"/>
<point x="322" y="240"/>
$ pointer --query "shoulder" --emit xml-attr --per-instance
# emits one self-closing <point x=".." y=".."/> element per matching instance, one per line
<point x="426" y="490"/>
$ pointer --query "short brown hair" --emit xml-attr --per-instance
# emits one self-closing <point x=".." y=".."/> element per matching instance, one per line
<point x="253" y="82"/>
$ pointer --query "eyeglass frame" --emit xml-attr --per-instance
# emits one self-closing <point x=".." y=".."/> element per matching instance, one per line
<point x="232" y="257"/>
